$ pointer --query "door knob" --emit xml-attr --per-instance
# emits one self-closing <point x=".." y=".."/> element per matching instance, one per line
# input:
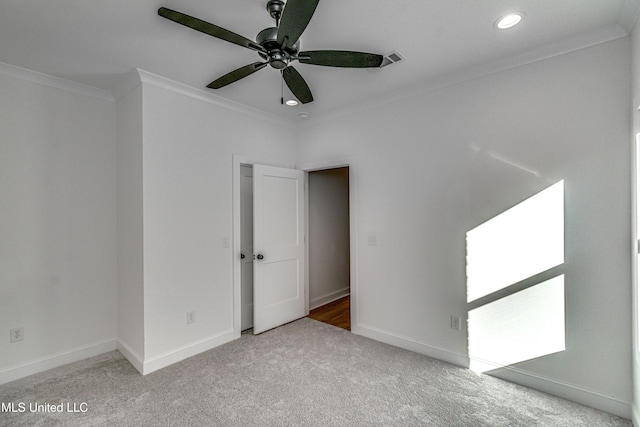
<point x="241" y="256"/>
<point x="260" y="256"/>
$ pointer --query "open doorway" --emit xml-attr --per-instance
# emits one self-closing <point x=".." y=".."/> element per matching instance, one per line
<point x="330" y="253"/>
<point x="329" y="246"/>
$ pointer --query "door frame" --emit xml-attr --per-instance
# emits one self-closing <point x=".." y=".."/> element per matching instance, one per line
<point x="348" y="162"/>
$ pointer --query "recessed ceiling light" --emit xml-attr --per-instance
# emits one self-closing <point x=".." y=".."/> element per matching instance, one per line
<point x="508" y="21"/>
<point x="292" y="103"/>
<point x="303" y="115"/>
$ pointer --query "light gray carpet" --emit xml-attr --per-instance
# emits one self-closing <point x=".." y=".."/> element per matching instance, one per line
<point x="305" y="373"/>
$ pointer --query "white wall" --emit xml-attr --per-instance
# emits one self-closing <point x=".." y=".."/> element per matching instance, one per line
<point x="430" y="167"/>
<point x="328" y="235"/>
<point x="187" y="156"/>
<point x="635" y="73"/>
<point x="58" y="228"/>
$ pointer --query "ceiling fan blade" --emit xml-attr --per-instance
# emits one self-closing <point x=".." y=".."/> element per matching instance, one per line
<point x="297" y="85"/>
<point x="295" y="18"/>
<point x="208" y="28"/>
<point x="340" y="58"/>
<point x="236" y="75"/>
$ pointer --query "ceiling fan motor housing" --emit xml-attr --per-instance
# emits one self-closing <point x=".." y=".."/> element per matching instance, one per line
<point x="278" y="58"/>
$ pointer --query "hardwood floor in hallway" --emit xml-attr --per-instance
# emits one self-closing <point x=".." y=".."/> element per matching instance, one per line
<point x="336" y="313"/>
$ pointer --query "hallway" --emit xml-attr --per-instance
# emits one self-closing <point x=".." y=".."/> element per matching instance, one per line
<point x="336" y="313"/>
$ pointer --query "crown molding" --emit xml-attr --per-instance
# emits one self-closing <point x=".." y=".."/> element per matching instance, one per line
<point x="561" y="47"/>
<point x="54" y="82"/>
<point x="201" y="95"/>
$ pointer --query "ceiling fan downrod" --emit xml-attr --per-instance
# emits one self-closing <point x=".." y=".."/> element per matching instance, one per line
<point x="275" y="8"/>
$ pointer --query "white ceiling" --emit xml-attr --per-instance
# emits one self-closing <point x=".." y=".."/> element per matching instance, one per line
<point x="97" y="42"/>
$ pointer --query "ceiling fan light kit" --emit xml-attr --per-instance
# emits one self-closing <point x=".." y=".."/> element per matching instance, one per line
<point x="279" y="46"/>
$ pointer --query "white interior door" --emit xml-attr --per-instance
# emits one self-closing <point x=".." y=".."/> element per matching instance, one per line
<point x="246" y="246"/>
<point x="278" y="236"/>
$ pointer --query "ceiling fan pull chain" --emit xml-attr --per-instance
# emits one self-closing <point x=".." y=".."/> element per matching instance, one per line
<point x="281" y="88"/>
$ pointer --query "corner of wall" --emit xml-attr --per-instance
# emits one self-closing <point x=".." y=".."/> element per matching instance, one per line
<point x="129" y="82"/>
<point x="130" y="272"/>
<point x="629" y="15"/>
<point x="133" y="357"/>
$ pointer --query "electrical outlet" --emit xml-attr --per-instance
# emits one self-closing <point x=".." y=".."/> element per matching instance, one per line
<point x="17" y="334"/>
<point x="191" y="317"/>
<point x="455" y="323"/>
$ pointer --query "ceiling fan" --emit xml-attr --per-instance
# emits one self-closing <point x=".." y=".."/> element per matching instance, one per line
<point x="279" y="46"/>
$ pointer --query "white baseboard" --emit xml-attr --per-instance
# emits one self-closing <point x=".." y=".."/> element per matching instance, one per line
<point x="42" y="364"/>
<point x="327" y="298"/>
<point x="409" y="344"/>
<point x="557" y="388"/>
<point x="152" y="364"/>
<point x="565" y="390"/>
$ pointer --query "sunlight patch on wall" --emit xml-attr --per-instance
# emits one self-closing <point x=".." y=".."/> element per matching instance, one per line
<point x="517" y="325"/>
<point x="522" y="326"/>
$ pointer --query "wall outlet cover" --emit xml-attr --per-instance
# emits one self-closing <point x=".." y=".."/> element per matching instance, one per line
<point x="455" y="323"/>
<point x="16" y="334"/>
<point x="191" y="317"/>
